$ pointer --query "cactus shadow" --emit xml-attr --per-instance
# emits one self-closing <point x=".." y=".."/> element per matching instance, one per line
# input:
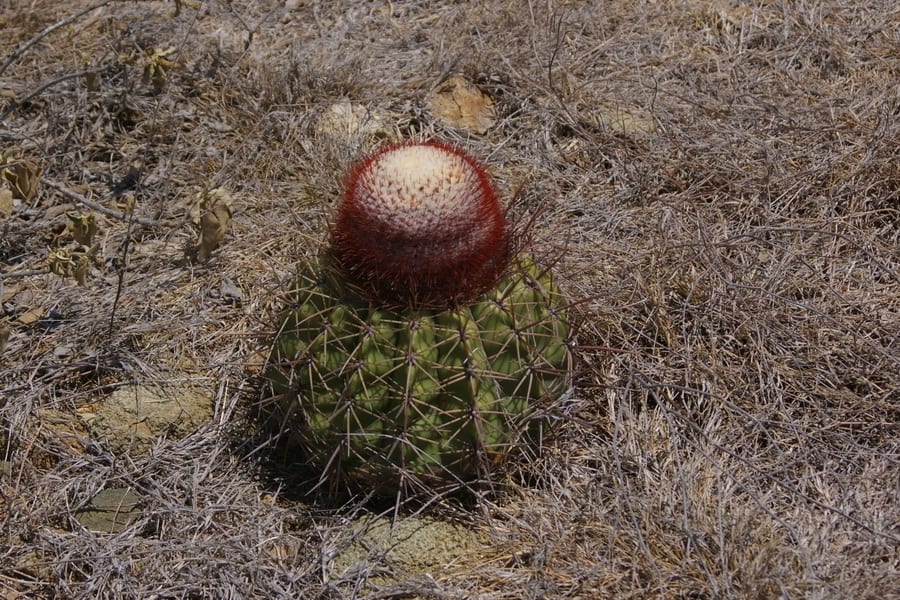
<point x="284" y="469"/>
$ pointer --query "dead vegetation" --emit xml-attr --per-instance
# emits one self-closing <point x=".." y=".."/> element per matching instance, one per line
<point x="725" y="178"/>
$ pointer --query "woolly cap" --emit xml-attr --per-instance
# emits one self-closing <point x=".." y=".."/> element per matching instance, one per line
<point x="421" y="223"/>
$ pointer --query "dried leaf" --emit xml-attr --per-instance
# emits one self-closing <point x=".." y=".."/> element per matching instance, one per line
<point x="460" y="104"/>
<point x="203" y="199"/>
<point x="6" y="203"/>
<point x="92" y="82"/>
<point x="58" y="209"/>
<point x="74" y="262"/>
<point x="4" y="337"/>
<point x="60" y="262"/>
<point x="24" y="177"/>
<point x="83" y="227"/>
<point x="30" y="316"/>
<point x="82" y="270"/>
<point x="156" y="66"/>
<point x="211" y="210"/>
<point x="213" y="225"/>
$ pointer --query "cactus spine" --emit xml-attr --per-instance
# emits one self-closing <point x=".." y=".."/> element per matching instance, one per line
<point x="418" y="347"/>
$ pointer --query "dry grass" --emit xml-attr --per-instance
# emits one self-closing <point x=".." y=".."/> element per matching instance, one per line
<point x="725" y="177"/>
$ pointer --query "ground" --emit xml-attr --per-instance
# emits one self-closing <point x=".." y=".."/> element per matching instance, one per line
<point x="720" y="178"/>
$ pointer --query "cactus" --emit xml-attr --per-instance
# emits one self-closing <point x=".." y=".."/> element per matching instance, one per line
<point x="419" y="346"/>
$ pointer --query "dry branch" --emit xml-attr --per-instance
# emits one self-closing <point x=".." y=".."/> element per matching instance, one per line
<point x="47" y="31"/>
<point x="99" y="207"/>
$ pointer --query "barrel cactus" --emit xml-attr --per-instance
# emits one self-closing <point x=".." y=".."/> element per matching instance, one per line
<point x="419" y="346"/>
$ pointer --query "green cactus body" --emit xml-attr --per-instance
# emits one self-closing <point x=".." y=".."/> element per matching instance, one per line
<point x="418" y="350"/>
<point x="373" y="394"/>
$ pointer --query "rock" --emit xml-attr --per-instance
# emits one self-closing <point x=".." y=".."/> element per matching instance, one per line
<point x="110" y="511"/>
<point x="460" y="104"/>
<point x="346" y="120"/>
<point x="411" y="548"/>
<point x="133" y="417"/>
<point x="624" y="122"/>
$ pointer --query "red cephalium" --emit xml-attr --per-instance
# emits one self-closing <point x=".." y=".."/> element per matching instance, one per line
<point x="420" y="222"/>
